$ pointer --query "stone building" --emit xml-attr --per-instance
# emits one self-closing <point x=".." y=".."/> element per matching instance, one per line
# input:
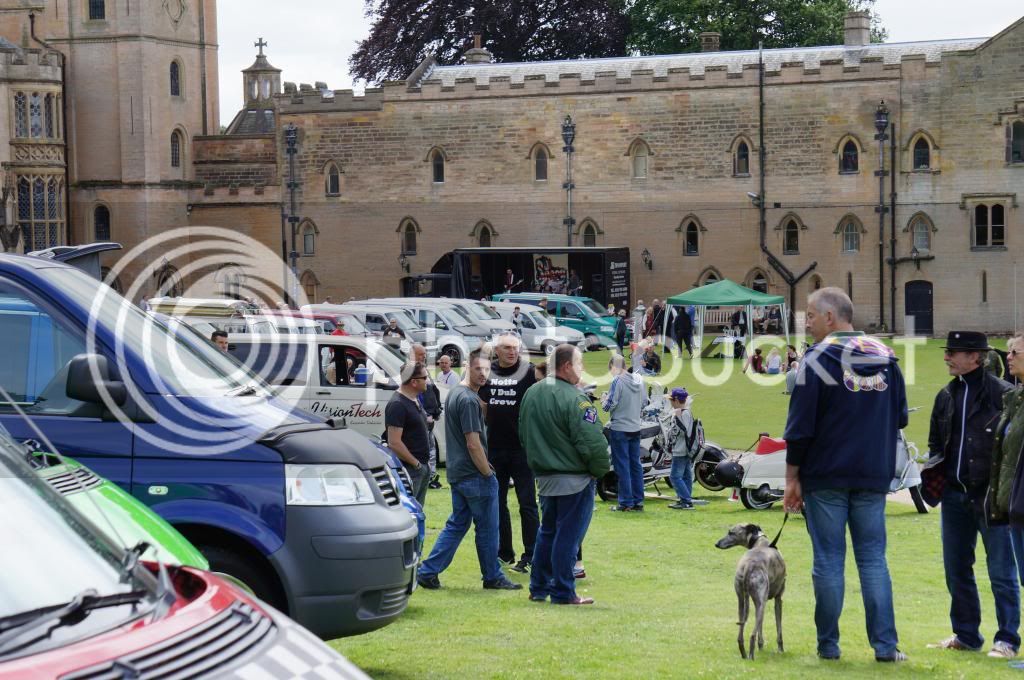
<point x="666" y="158"/>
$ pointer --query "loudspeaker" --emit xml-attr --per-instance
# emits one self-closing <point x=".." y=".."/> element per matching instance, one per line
<point x="476" y="287"/>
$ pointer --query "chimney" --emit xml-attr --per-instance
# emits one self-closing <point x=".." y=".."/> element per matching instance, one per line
<point x="710" y="41"/>
<point x="479" y="54"/>
<point x="856" y="29"/>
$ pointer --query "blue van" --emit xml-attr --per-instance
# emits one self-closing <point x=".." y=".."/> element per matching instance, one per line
<point x="302" y="510"/>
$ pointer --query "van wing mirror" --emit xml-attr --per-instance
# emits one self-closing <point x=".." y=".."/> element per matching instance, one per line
<point x="83" y="386"/>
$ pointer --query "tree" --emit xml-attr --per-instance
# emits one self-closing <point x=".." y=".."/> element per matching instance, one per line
<point x="403" y="32"/>
<point x="673" y="26"/>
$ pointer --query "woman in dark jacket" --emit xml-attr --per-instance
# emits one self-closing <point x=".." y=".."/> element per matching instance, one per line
<point x="1006" y="490"/>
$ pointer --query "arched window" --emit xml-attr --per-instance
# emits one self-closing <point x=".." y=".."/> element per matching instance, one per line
<point x="48" y="113"/>
<point x="169" y="282"/>
<point x="113" y="282"/>
<point x="741" y="159"/>
<point x="757" y="280"/>
<point x="309" y="240"/>
<point x="309" y="284"/>
<point x="589" y="236"/>
<point x="922" y="154"/>
<point x="175" y="79"/>
<point x="692" y="235"/>
<point x="540" y="165"/>
<point x="485" y="235"/>
<point x="791" y="238"/>
<point x="97" y="10"/>
<point x="101" y="222"/>
<point x="921" y="233"/>
<point x="332" y="180"/>
<point x="20" y="115"/>
<point x="175" y="149"/>
<point x="639" y="152"/>
<point x="229" y="279"/>
<point x="851" y="237"/>
<point x="709" y="276"/>
<point x="408" y="231"/>
<point x="849" y="158"/>
<point x="437" y="164"/>
<point x="1015" y="152"/>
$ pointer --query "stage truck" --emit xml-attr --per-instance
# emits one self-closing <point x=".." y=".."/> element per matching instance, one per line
<point x="475" y="273"/>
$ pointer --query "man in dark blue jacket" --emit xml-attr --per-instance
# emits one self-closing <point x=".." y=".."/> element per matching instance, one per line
<point x="844" y="416"/>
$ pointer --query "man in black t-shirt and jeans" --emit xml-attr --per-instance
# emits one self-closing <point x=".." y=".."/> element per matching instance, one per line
<point x="408" y="435"/>
<point x="510" y="377"/>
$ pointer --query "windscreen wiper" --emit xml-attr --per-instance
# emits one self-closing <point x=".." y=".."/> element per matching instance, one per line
<point x="26" y="628"/>
<point x="242" y="391"/>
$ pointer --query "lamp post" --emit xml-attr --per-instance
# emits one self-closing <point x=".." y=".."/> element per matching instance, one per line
<point x="881" y="124"/>
<point x="568" y="136"/>
<point x="291" y="139"/>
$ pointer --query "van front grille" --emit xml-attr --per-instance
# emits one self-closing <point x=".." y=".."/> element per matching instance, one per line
<point x="386" y="486"/>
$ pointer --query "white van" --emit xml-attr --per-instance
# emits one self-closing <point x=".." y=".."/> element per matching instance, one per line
<point x="294" y="367"/>
<point x="539" y="330"/>
<point x="474" y="310"/>
<point x="445" y="327"/>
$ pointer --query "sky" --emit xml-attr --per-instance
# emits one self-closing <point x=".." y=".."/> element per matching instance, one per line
<point x="311" y="40"/>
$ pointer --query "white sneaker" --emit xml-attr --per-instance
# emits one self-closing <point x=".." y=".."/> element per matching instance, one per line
<point x="1002" y="650"/>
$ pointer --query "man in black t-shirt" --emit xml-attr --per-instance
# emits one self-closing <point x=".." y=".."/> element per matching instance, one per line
<point x="408" y="435"/>
<point x="509" y="379"/>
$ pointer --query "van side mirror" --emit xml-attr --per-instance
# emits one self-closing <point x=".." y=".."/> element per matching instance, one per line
<point x="82" y="386"/>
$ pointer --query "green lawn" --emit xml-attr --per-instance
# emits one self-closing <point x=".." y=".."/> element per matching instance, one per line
<point x="665" y="601"/>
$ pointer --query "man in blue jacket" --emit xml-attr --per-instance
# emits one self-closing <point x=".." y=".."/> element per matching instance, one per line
<point x="844" y="416"/>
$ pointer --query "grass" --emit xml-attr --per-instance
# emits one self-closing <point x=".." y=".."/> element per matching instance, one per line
<point x="665" y="601"/>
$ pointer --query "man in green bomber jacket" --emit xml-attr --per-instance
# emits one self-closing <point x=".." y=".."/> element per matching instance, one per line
<point x="1007" y="481"/>
<point x="566" y="451"/>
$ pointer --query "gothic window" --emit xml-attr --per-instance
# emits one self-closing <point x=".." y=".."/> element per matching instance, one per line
<point x="921" y="232"/>
<point x="589" y="236"/>
<point x="540" y="165"/>
<point x="922" y="154"/>
<point x="692" y="235"/>
<point x="175" y="79"/>
<point x="849" y="159"/>
<point x="437" y="165"/>
<point x="175" y="149"/>
<point x="989" y="227"/>
<point x="485" y="234"/>
<point x="741" y="160"/>
<point x="20" y="115"/>
<point x="309" y="285"/>
<point x="1015" y="147"/>
<point x="97" y="10"/>
<point x="35" y="115"/>
<point x="40" y="211"/>
<point x="710" y="276"/>
<point x="408" y="232"/>
<point x="639" y="153"/>
<point x="169" y="282"/>
<point x="49" y="113"/>
<point x="791" y="238"/>
<point x="114" y="282"/>
<point x="309" y="240"/>
<point x="332" y="180"/>
<point x="851" y="237"/>
<point x="101" y="222"/>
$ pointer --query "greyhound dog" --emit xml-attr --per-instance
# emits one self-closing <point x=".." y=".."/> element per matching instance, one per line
<point x="760" y="576"/>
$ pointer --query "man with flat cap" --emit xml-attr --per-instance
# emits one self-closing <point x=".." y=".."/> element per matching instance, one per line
<point x="963" y="423"/>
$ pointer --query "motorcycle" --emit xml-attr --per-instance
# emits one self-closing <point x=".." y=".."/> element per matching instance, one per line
<point x="760" y="475"/>
<point x="655" y="456"/>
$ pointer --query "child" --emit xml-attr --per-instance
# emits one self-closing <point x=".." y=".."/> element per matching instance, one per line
<point x="774" y="362"/>
<point x="684" y="447"/>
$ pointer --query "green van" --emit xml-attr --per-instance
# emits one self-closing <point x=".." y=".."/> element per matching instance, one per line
<point x="586" y="315"/>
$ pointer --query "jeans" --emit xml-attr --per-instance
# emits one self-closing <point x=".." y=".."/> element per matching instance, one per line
<point x="563" y="524"/>
<point x="511" y="464"/>
<point x="681" y="476"/>
<point x="420" y="480"/>
<point x="1017" y="541"/>
<point x="473" y="500"/>
<point x="960" y="529"/>
<point x="629" y="470"/>
<point x="828" y="512"/>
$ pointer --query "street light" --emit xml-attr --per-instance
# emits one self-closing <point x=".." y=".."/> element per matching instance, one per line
<point x="881" y="124"/>
<point x="568" y="136"/>
<point x="291" y="139"/>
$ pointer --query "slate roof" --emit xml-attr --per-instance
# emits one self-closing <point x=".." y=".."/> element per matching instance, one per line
<point x="252" y="122"/>
<point x="734" y="62"/>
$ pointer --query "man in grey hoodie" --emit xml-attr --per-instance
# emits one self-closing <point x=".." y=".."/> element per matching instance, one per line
<point x="624" y="401"/>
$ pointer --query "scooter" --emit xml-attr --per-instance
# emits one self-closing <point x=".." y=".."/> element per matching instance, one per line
<point x="655" y="456"/>
<point x="760" y="475"/>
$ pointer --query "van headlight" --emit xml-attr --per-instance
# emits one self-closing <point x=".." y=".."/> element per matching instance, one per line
<point x="326" y="485"/>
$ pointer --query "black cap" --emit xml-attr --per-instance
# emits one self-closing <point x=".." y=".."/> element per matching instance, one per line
<point x="967" y="341"/>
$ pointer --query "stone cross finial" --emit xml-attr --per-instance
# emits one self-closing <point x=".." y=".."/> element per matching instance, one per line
<point x="261" y="43"/>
